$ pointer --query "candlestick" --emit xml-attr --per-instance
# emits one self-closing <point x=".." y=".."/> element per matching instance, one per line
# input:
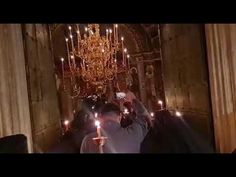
<point x="66" y="123"/>
<point x="78" y="36"/>
<point x="122" y="48"/>
<point x="116" y="33"/>
<point x="62" y="65"/>
<point x="68" y="52"/>
<point x="97" y="123"/>
<point x="125" y="51"/>
<point x="128" y="61"/>
<point x="160" y="103"/>
<point x="107" y="34"/>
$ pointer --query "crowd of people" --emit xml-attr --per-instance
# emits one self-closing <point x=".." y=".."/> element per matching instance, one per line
<point x="132" y="132"/>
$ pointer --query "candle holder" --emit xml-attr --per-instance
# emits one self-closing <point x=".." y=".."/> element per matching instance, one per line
<point x="100" y="142"/>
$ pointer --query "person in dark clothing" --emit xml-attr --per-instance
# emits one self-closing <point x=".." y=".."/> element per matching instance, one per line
<point x="79" y="128"/>
<point x="172" y="135"/>
<point x="127" y="119"/>
<point x="119" y="140"/>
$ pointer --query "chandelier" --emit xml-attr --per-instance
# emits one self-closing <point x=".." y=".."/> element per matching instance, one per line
<point x="92" y="58"/>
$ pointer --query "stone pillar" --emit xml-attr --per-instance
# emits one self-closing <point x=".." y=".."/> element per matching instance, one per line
<point x="14" y="104"/>
<point x="221" y="49"/>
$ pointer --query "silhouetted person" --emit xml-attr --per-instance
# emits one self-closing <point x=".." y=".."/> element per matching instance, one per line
<point x="120" y="140"/>
<point x="14" y="144"/>
<point x="172" y="135"/>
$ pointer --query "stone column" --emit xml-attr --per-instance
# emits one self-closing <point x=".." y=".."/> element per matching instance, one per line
<point x="221" y="44"/>
<point x="14" y="104"/>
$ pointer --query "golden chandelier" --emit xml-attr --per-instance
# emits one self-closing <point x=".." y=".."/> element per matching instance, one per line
<point x="93" y="57"/>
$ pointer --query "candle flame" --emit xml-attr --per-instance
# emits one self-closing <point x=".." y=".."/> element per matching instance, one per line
<point x="152" y="114"/>
<point x="86" y="29"/>
<point x="97" y="124"/>
<point x="62" y="59"/>
<point x="69" y="27"/>
<point x="126" y="111"/>
<point x="178" y="114"/>
<point x="66" y="39"/>
<point x="125" y="50"/>
<point x="122" y="38"/>
<point x="66" y="122"/>
<point x="116" y="25"/>
<point x="128" y="56"/>
<point x="160" y="102"/>
<point x="110" y="30"/>
<point x="96" y="115"/>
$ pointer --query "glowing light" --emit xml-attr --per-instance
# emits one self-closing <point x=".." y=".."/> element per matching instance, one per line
<point x="62" y="59"/>
<point x="116" y="25"/>
<point x="97" y="123"/>
<point x="122" y="38"/>
<point x="71" y="36"/>
<point x="128" y="56"/>
<point x="110" y="30"/>
<point x="86" y="29"/>
<point x="126" y="111"/>
<point x="95" y="114"/>
<point x="77" y="31"/>
<point x="125" y="50"/>
<point x="72" y="57"/>
<point x="160" y="102"/>
<point x="152" y="114"/>
<point x="67" y="39"/>
<point x="178" y="114"/>
<point x="69" y="27"/>
<point x="93" y="107"/>
<point x="66" y="122"/>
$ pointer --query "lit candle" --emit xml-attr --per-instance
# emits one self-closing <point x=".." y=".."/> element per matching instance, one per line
<point x="66" y="123"/>
<point x="96" y="115"/>
<point x="110" y="34"/>
<point x="68" y="52"/>
<point x="125" y="51"/>
<point x="78" y="36"/>
<point x="62" y="68"/>
<point x="152" y="114"/>
<point x="73" y="59"/>
<point x="128" y="61"/>
<point x="126" y="111"/>
<point x="107" y="34"/>
<point x="160" y="103"/>
<point x="178" y="114"/>
<point x="122" y="48"/>
<point x="116" y="32"/>
<point x="97" y="124"/>
<point x="85" y="34"/>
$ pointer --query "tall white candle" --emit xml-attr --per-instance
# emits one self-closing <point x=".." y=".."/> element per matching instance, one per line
<point x="68" y="52"/>
<point x="62" y="68"/>
<point x="122" y="48"/>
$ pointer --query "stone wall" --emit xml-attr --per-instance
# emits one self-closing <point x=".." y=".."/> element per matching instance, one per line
<point x="186" y="76"/>
<point x="42" y="89"/>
